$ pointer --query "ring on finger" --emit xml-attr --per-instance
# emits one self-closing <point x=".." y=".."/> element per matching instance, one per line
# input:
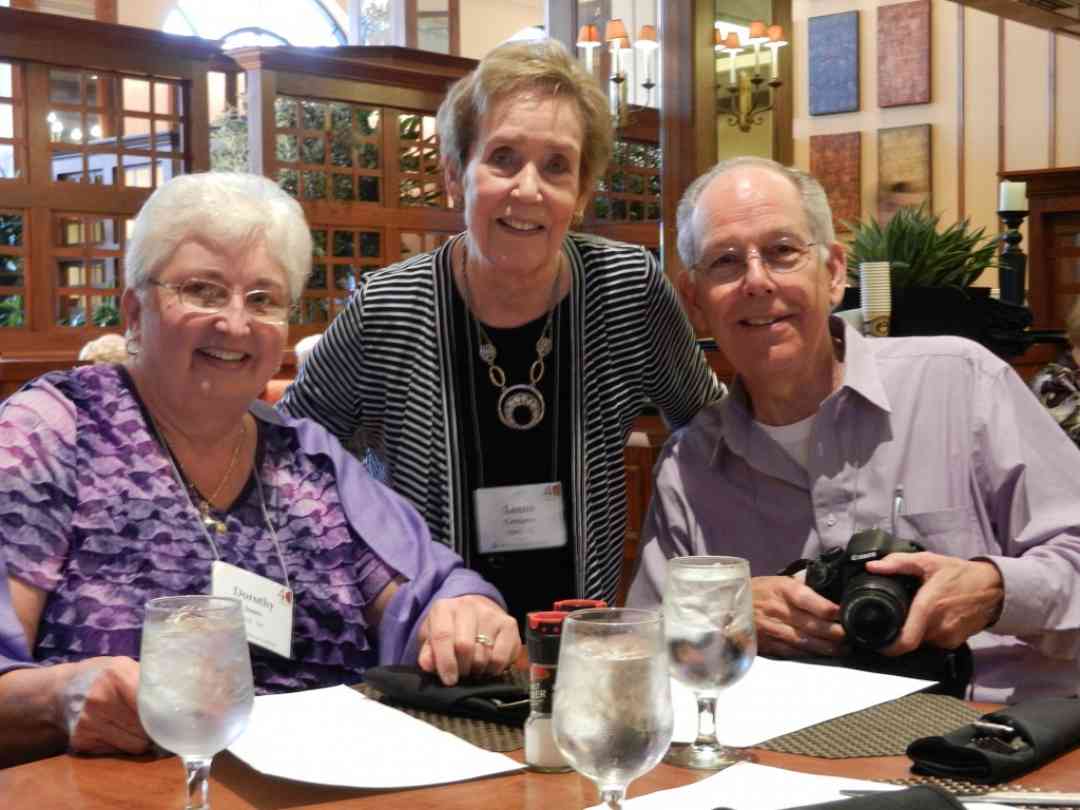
<point x="484" y="640"/>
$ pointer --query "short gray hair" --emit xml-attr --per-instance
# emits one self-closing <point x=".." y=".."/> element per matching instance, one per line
<point x="814" y="203"/>
<point x="228" y="211"/>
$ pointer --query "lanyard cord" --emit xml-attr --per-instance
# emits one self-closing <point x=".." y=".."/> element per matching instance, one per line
<point x="178" y="476"/>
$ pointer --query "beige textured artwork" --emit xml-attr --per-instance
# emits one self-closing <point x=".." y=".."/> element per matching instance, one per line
<point x="903" y="48"/>
<point x="904" y="168"/>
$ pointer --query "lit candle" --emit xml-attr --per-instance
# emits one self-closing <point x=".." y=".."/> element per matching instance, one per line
<point x="776" y="42"/>
<point x="1012" y="196"/>
<point x="731" y="42"/>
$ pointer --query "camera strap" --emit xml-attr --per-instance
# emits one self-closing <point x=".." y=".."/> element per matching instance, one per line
<point x="792" y="568"/>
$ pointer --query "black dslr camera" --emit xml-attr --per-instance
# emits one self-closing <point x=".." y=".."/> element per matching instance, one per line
<point x="873" y="607"/>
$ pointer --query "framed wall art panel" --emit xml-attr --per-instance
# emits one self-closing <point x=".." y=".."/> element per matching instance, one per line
<point x="904" y="168"/>
<point x="833" y="46"/>
<point x="835" y="160"/>
<point x="903" y="47"/>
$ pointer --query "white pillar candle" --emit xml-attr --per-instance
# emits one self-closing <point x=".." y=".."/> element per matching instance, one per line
<point x="1012" y="196"/>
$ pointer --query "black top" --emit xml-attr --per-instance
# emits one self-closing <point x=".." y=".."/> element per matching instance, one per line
<point x="496" y="455"/>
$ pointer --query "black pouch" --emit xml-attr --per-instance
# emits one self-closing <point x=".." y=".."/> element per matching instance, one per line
<point x="500" y="701"/>
<point x="950" y="668"/>
<point x="1040" y="731"/>
<point x="920" y="797"/>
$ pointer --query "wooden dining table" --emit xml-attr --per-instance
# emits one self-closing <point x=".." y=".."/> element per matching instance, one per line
<point x="95" y="783"/>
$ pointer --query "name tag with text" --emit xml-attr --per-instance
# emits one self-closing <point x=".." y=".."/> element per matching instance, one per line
<point x="520" y="518"/>
<point x="268" y="606"/>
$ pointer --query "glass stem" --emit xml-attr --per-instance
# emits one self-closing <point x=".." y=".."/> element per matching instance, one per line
<point x="612" y="797"/>
<point x="198" y="782"/>
<point x="706" y="726"/>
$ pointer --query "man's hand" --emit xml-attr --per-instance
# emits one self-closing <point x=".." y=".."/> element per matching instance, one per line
<point x="958" y="598"/>
<point x="467" y="635"/>
<point x="793" y="620"/>
<point x="96" y="705"/>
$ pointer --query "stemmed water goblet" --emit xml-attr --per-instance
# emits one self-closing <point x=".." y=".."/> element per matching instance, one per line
<point x="709" y="624"/>
<point x="612" y="713"/>
<point x="195" y="686"/>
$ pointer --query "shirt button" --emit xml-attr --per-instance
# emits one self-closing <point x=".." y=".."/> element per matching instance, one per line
<point x="830" y="521"/>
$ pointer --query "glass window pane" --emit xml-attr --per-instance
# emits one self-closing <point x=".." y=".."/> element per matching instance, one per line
<point x="95" y="128"/>
<point x="343" y="243"/>
<point x="314" y="114"/>
<point x="70" y="310"/>
<point x="285" y="113"/>
<point x="287" y="179"/>
<point x="318" y="242"/>
<point x="105" y="232"/>
<point x="70" y="232"/>
<point x="134" y="126"/>
<point x="167" y="134"/>
<point x="343" y="187"/>
<point x="104" y="310"/>
<point x="11" y="271"/>
<point x="100" y="90"/>
<point x="369" y="244"/>
<point x="12" y="311"/>
<point x="11" y="229"/>
<point x="367" y="189"/>
<point x="8" y="169"/>
<point x="368" y="156"/>
<point x="341" y="148"/>
<point x="165" y="170"/>
<point x="64" y="86"/>
<point x="314" y="185"/>
<point x="340" y="117"/>
<point x="318" y="277"/>
<point x="6" y="84"/>
<point x="287" y="150"/>
<point x="70" y="273"/>
<point x="166" y="98"/>
<point x="410" y="244"/>
<point x="103" y="273"/>
<point x="7" y="121"/>
<point x="314" y="151"/>
<point x="136" y="95"/>
<point x="137" y="172"/>
<point x="344" y="278"/>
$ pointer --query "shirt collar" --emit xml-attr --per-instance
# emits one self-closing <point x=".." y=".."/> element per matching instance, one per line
<point x="732" y="419"/>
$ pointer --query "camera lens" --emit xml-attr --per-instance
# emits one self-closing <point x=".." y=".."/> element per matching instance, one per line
<point x="874" y="609"/>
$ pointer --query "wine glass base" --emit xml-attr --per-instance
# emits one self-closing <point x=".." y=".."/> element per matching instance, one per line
<point x="703" y="757"/>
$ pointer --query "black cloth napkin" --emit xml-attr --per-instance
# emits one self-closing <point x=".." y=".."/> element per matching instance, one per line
<point x="1044" y="729"/>
<point x="500" y="701"/>
<point x="920" y="797"/>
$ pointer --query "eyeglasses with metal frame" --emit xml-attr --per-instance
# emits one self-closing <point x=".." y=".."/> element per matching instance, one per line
<point x="208" y="297"/>
<point x="783" y="255"/>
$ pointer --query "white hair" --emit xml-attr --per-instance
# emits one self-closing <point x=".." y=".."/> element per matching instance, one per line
<point x="815" y="204"/>
<point x="228" y="210"/>
<point x="110" y="348"/>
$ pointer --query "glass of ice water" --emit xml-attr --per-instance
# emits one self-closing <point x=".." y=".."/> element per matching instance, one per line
<point x="612" y="713"/>
<point x="195" y="689"/>
<point x="709" y="624"/>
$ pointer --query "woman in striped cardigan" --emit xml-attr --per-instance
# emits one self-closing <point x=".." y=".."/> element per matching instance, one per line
<point x="498" y="376"/>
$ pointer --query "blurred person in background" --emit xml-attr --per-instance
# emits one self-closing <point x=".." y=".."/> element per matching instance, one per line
<point x="1057" y="385"/>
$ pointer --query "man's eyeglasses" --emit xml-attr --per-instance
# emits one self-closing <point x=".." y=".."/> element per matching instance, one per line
<point x="784" y="255"/>
<point x="200" y="295"/>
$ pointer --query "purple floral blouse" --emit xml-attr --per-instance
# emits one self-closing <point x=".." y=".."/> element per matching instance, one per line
<point x="91" y="511"/>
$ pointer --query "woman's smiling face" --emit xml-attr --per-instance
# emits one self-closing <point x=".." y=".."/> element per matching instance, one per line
<point x="224" y="355"/>
<point x="522" y="183"/>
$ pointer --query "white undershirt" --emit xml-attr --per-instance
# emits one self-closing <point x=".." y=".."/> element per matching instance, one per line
<point x="794" y="438"/>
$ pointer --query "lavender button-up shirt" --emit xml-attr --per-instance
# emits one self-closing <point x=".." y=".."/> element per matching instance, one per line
<point x="985" y="473"/>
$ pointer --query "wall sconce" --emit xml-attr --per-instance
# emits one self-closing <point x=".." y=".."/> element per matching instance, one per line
<point x="618" y="43"/>
<point x="745" y="111"/>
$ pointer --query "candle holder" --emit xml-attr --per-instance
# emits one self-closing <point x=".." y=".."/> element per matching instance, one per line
<point x="745" y="109"/>
<point x="1013" y="261"/>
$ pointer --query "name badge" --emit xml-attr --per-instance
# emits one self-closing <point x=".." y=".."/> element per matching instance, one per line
<point x="520" y="518"/>
<point x="268" y="606"/>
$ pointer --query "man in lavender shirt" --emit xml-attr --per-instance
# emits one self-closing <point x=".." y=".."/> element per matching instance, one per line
<point x="823" y="427"/>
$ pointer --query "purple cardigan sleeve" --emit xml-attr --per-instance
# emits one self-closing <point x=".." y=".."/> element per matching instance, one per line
<point x="396" y="533"/>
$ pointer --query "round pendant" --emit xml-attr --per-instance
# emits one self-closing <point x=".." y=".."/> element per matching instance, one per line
<point x="518" y="397"/>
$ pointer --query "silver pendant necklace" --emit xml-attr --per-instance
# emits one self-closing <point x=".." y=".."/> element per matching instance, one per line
<point x="523" y="398"/>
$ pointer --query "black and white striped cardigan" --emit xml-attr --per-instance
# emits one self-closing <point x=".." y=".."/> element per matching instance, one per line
<point x="384" y="368"/>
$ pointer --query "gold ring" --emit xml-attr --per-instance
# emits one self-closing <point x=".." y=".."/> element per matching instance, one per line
<point x="484" y="641"/>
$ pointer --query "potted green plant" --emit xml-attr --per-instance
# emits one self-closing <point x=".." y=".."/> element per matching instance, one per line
<point x="932" y="270"/>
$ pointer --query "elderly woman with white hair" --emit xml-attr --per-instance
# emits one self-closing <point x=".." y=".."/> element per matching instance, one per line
<point x="121" y="483"/>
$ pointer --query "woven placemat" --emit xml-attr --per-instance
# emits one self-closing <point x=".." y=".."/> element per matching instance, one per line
<point x="880" y="731"/>
<point x="496" y="737"/>
<point x="962" y="786"/>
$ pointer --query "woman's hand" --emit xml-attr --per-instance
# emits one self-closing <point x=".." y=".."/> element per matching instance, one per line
<point x="96" y="705"/>
<point x="467" y="635"/>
